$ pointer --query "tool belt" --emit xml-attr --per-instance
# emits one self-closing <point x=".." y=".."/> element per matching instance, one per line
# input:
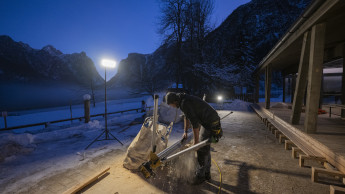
<point x="216" y="131"/>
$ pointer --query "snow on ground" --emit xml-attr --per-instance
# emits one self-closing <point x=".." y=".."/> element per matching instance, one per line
<point x="30" y="156"/>
<point x="54" y="151"/>
<point x="58" y="113"/>
<point x="235" y="105"/>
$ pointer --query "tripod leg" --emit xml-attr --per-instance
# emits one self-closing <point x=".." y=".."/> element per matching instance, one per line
<point x="115" y="138"/>
<point x="95" y="140"/>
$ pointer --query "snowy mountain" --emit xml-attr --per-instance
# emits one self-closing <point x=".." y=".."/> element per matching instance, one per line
<point x="230" y="52"/>
<point x="246" y="36"/>
<point x="145" y="72"/>
<point x="21" y="63"/>
<point x="37" y="78"/>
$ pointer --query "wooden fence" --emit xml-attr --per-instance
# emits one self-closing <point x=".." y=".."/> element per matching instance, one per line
<point x="69" y="119"/>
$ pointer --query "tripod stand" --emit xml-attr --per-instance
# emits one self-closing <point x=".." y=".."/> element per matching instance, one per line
<point x="106" y="130"/>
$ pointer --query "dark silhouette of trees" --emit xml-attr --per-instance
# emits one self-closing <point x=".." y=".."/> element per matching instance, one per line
<point x="184" y="23"/>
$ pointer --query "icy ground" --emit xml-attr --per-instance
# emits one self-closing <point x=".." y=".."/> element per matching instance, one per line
<point x="28" y="158"/>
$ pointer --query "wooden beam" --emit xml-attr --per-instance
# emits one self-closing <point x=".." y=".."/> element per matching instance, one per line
<point x="301" y="80"/>
<point x="309" y="145"/>
<point x="316" y="171"/>
<point x="294" y="152"/>
<point x="257" y="88"/>
<point x="86" y="182"/>
<point x="343" y="79"/>
<point x="268" y="80"/>
<point x="317" y="43"/>
<point x="312" y="20"/>
<point x="288" y="144"/>
<point x="293" y="86"/>
<point x="302" y="159"/>
<point x="281" y="138"/>
<point x="336" y="190"/>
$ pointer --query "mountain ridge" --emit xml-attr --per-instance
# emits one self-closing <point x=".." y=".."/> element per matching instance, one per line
<point x="22" y="63"/>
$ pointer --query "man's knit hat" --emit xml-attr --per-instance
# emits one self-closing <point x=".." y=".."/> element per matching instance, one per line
<point x="171" y="97"/>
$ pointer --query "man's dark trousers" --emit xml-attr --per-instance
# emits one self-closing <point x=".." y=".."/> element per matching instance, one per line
<point x="204" y="154"/>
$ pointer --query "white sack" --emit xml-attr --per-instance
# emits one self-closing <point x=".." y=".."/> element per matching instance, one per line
<point x="139" y="150"/>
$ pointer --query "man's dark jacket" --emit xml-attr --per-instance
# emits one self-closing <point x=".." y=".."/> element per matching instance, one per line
<point x="197" y="111"/>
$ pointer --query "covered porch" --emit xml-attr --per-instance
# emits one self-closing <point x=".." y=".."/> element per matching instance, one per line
<point x="316" y="41"/>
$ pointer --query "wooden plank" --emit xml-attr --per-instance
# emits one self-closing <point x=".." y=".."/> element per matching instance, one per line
<point x="288" y="144"/>
<point x="302" y="159"/>
<point x="336" y="190"/>
<point x="86" y="182"/>
<point x="316" y="171"/>
<point x="281" y="138"/>
<point x="294" y="152"/>
<point x="298" y="137"/>
<point x="308" y="144"/>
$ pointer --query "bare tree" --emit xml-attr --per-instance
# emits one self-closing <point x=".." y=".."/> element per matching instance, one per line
<point x="173" y="26"/>
<point x="198" y="15"/>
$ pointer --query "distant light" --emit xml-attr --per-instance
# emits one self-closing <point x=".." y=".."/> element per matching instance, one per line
<point x="220" y="98"/>
<point x="108" y="63"/>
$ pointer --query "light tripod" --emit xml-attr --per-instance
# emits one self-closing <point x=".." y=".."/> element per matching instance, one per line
<point x="106" y="132"/>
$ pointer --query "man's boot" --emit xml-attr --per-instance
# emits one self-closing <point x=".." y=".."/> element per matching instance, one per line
<point x="207" y="176"/>
<point x="199" y="176"/>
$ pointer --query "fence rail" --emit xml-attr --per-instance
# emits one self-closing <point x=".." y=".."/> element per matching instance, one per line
<point x="331" y="106"/>
<point x="69" y="119"/>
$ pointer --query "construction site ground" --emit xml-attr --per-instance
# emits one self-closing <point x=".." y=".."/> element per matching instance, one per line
<point x="250" y="159"/>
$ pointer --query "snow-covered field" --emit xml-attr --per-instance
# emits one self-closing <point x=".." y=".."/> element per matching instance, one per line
<point x="58" y="113"/>
<point x="30" y="156"/>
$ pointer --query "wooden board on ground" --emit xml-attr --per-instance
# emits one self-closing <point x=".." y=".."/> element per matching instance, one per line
<point x="86" y="182"/>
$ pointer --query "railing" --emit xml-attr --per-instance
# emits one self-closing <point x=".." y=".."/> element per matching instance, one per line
<point x="342" y="107"/>
<point x="69" y="119"/>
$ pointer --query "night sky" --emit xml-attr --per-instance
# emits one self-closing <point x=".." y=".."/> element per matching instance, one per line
<point x="101" y="28"/>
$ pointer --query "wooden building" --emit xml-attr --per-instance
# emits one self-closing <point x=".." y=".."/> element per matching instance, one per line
<point x="316" y="40"/>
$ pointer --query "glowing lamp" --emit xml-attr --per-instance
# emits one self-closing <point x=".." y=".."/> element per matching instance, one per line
<point x="108" y="63"/>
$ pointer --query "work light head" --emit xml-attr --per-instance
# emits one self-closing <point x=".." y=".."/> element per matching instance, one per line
<point x="108" y="63"/>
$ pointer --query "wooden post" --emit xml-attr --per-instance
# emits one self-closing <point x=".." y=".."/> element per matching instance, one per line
<point x="301" y="80"/>
<point x="257" y="88"/>
<point x="268" y="79"/>
<point x="87" y="99"/>
<point x="284" y="91"/>
<point x="321" y="91"/>
<point x="343" y="79"/>
<point x="293" y="87"/>
<point x="289" y="87"/>
<point x="317" y="43"/>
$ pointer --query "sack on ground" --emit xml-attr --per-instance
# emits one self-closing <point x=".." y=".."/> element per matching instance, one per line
<point x="139" y="150"/>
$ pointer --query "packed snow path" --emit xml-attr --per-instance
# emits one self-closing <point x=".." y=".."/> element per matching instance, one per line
<point x="250" y="158"/>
